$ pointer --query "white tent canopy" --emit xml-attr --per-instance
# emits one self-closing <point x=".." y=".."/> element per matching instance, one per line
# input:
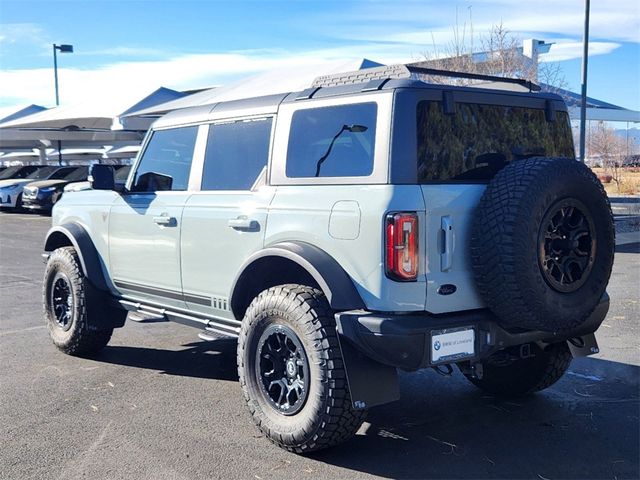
<point x="128" y="151"/>
<point x="101" y="114"/>
<point x="12" y="113"/>
<point x="17" y="158"/>
<point x="267" y="83"/>
<point x="25" y="139"/>
<point x="82" y="155"/>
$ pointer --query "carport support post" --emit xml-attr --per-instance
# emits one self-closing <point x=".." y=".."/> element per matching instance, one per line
<point x="42" y="152"/>
<point x="583" y="98"/>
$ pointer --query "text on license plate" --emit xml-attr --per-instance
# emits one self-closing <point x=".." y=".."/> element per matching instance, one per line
<point x="452" y="344"/>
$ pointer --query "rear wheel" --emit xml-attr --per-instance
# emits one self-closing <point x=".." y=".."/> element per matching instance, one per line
<point x="291" y="370"/>
<point x="65" y="306"/>
<point x="510" y="373"/>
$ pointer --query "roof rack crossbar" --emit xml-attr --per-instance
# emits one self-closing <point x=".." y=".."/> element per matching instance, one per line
<point x="473" y="76"/>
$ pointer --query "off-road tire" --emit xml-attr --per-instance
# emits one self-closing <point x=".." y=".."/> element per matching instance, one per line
<point x="326" y="418"/>
<point x="78" y="338"/>
<point x="505" y="243"/>
<point x="517" y="378"/>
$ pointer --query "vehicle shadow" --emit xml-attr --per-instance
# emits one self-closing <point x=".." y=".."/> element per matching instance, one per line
<point x="586" y="426"/>
<point x="213" y="360"/>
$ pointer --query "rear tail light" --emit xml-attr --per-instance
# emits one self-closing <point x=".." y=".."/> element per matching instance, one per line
<point x="401" y="247"/>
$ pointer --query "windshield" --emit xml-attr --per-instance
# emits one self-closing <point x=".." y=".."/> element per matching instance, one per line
<point x="61" y="173"/>
<point x="42" y="173"/>
<point x="9" y="172"/>
<point x="122" y="174"/>
<point x="78" y="174"/>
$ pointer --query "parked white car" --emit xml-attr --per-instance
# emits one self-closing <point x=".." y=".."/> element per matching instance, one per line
<point x="11" y="189"/>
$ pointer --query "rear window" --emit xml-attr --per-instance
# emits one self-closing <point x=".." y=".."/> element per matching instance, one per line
<point x="334" y="141"/>
<point x="478" y="140"/>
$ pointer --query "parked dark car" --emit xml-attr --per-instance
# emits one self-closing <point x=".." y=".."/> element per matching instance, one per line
<point x="43" y="194"/>
<point x="120" y="178"/>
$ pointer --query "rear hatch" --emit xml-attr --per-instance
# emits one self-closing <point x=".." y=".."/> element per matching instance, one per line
<point x="458" y="154"/>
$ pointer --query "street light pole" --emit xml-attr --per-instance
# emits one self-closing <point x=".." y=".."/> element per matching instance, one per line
<point x="63" y="49"/>
<point x="583" y="98"/>
<point x="55" y="72"/>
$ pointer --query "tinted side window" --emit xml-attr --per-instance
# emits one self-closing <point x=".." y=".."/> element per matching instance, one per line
<point x="166" y="161"/>
<point x="332" y="141"/>
<point x="478" y="140"/>
<point x="236" y="154"/>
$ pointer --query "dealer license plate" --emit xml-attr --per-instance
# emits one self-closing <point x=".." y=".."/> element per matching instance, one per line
<point x="452" y="344"/>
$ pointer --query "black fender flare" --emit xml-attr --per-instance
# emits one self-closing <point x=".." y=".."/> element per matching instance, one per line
<point x="76" y="234"/>
<point x="332" y="279"/>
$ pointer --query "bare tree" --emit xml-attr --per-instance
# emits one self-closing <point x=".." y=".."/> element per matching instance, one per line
<point x="500" y="54"/>
<point x="551" y="75"/>
<point x="605" y="144"/>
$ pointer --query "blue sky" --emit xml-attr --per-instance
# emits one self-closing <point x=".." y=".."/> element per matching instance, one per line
<point x="126" y="49"/>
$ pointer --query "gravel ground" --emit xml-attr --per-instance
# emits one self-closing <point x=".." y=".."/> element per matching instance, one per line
<point x="158" y="403"/>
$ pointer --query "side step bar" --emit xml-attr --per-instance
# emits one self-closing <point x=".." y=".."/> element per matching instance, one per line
<point x="213" y="327"/>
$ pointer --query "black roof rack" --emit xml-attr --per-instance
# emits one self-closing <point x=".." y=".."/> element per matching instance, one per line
<point x="474" y="76"/>
<point x="379" y="76"/>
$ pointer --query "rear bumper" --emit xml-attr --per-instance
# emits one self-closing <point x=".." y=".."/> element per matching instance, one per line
<point x="404" y="341"/>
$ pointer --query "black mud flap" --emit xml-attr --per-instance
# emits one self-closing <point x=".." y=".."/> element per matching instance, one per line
<point x="101" y="314"/>
<point x="583" y="346"/>
<point x="371" y="383"/>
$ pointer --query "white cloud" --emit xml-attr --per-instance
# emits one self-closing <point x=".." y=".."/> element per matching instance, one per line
<point x="130" y="81"/>
<point x="22" y="33"/>
<point x="569" y="50"/>
<point x="609" y="21"/>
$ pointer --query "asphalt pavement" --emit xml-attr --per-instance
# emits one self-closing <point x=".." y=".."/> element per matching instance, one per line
<point x="158" y="403"/>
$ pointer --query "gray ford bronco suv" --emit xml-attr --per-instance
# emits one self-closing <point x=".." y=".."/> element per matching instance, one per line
<point x="370" y="223"/>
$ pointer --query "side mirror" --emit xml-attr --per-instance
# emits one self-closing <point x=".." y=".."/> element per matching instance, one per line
<point x="102" y="177"/>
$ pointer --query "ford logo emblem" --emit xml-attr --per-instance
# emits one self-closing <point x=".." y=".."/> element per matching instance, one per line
<point x="447" y="289"/>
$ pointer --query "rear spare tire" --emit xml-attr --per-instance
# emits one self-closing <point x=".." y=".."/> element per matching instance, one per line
<point x="542" y="244"/>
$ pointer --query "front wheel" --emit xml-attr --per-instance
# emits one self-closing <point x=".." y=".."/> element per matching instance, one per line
<point x="65" y="306"/>
<point x="291" y="370"/>
<point x="509" y="373"/>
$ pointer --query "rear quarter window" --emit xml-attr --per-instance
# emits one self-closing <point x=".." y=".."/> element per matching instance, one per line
<point x="337" y="141"/>
<point x="475" y="142"/>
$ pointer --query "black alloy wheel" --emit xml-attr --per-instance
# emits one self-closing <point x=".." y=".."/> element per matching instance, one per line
<point x="62" y="301"/>
<point x="283" y="369"/>
<point x="566" y="245"/>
